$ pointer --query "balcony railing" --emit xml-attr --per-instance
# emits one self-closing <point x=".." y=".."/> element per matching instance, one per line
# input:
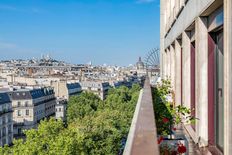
<point x="5" y="111"/>
<point x="142" y="138"/>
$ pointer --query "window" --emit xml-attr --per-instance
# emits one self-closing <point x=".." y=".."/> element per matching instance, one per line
<point x="9" y="118"/>
<point x="27" y="112"/>
<point x="4" y="141"/>
<point x="4" y="107"/>
<point x="7" y="107"/>
<point x="216" y="90"/>
<point x="19" y="131"/>
<point x="26" y="104"/>
<point x="219" y="91"/>
<point x="19" y="104"/>
<point x="19" y="113"/>
<point x="9" y="140"/>
<point x="9" y="129"/>
<point x="192" y="79"/>
<point x="3" y="120"/>
<point x="4" y="131"/>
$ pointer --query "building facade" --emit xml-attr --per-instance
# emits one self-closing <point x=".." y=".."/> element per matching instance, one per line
<point x="98" y="88"/>
<point x="63" y="89"/>
<point x="196" y="53"/>
<point x="3" y="82"/>
<point x="140" y="68"/>
<point x="61" y="109"/>
<point x="31" y="106"/>
<point x="6" y="123"/>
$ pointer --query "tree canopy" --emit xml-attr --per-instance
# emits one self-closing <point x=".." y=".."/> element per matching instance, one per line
<point x="94" y="127"/>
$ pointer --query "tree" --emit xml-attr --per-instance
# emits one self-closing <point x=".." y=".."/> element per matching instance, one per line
<point x="94" y="127"/>
<point x="84" y="104"/>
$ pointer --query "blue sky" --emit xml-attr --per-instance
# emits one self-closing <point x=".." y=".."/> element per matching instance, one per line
<point x="79" y="31"/>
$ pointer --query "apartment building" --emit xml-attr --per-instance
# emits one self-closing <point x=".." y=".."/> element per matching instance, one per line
<point x="6" y="123"/>
<point x="196" y="53"/>
<point x="3" y="82"/>
<point x="98" y="88"/>
<point x="64" y="89"/>
<point x="61" y="109"/>
<point x="31" y="106"/>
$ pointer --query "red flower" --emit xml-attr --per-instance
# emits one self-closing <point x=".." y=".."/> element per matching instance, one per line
<point x="174" y="129"/>
<point x="181" y="148"/>
<point x="160" y="139"/>
<point x="165" y="120"/>
<point x="174" y="152"/>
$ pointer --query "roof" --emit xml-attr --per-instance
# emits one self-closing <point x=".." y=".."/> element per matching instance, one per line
<point x="20" y="95"/>
<point x="2" y="90"/>
<point x="95" y="84"/>
<point x="118" y="83"/>
<point x="37" y="93"/>
<point x="31" y="94"/>
<point x="4" y="98"/>
<point x="105" y="84"/>
<point x="73" y="85"/>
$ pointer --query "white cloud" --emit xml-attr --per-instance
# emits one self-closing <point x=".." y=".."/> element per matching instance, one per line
<point x="144" y="1"/>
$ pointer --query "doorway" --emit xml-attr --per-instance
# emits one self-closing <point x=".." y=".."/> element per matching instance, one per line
<point x="192" y="79"/>
<point x="219" y="91"/>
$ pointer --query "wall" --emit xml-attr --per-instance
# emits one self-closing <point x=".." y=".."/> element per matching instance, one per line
<point x="195" y="16"/>
<point x="191" y="10"/>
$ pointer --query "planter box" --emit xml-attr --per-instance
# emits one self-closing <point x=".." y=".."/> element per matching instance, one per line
<point x="172" y="142"/>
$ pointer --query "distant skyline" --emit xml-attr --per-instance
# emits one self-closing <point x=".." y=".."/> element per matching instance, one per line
<point x="115" y="32"/>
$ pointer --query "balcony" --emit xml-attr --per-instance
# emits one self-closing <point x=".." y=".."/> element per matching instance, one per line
<point x="5" y="111"/>
<point x="169" y="136"/>
<point x="142" y="138"/>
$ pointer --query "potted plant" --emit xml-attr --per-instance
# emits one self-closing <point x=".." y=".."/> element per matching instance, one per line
<point x="169" y="118"/>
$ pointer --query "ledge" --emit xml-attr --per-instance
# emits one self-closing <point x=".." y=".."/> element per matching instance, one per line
<point x="142" y="138"/>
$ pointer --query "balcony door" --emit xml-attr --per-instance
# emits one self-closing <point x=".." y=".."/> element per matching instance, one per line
<point x="192" y="78"/>
<point x="219" y="89"/>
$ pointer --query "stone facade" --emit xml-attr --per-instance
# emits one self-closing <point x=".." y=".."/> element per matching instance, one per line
<point x="30" y="106"/>
<point x="196" y="39"/>
<point x="6" y="123"/>
<point x="98" y="88"/>
<point x="61" y="109"/>
<point x="63" y="89"/>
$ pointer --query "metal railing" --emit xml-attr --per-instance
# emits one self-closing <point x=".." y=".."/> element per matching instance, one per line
<point x="4" y="111"/>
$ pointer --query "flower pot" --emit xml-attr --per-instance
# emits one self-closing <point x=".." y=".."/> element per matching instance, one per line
<point x="172" y="142"/>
